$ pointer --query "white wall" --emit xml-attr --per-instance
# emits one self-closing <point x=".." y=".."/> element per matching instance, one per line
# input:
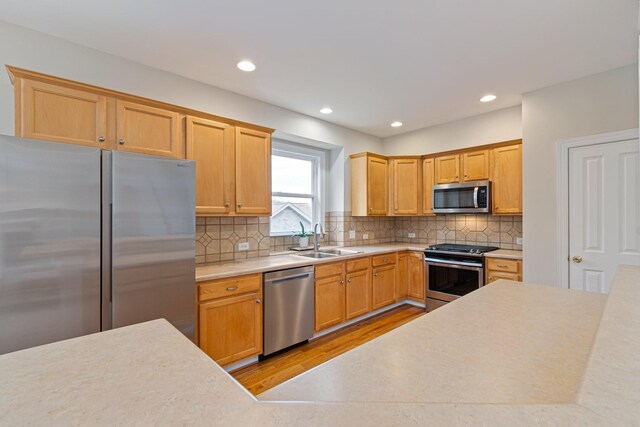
<point x="495" y="126"/>
<point x="39" y="52"/>
<point x="596" y="104"/>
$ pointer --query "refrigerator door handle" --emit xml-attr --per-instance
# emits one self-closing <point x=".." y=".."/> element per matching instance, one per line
<point x="106" y="212"/>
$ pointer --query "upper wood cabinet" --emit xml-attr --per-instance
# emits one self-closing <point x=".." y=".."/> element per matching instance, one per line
<point x="253" y="172"/>
<point x="147" y="130"/>
<point x="506" y="180"/>
<point x="61" y="114"/>
<point x="211" y="145"/>
<point x="447" y="169"/>
<point x="428" y="178"/>
<point x="475" y="165"/>
<point x="369" y="185"/>
<point x="405" y="186"/>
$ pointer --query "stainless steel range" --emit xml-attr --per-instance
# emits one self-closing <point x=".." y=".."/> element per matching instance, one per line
<point x="453" y="271"/>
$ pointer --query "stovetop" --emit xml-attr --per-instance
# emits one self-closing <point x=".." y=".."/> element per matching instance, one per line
<point x="461" y="249"/>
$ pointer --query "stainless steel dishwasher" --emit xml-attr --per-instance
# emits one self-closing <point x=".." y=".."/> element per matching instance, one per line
<point x="288" y="308"/>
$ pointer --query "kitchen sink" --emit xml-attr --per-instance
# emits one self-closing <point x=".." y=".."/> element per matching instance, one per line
<point x="341" y="251"/>
<point x="330" y="253"/>
<point x="318" y="255"/>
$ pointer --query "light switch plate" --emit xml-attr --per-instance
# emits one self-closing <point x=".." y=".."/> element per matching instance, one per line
<point x="243" y="246"/>
<point x="352" y="234"/>
<point x="412" y="235"/>
<point x="519" y="241"/>
<point x="365" y="236"/>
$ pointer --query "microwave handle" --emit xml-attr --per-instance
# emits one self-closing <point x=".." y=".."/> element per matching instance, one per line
<point x="475" y="197"/>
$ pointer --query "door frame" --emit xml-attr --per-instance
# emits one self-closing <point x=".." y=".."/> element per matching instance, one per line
<point x="562" y="191"/>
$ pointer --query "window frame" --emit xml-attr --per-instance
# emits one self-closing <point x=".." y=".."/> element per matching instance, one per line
<point x="318" y="159"/>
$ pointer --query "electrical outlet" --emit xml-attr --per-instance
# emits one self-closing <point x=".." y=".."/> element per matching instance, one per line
<point x="243" y="246"/>
<point x="519" y="241"/>
<point x="352" y="234"/>
<point x="365" y="236"/>
<point x="412" y="235"/>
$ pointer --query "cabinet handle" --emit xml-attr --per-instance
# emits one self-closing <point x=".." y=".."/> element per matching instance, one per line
<point x="101" y="139"/>
<point x="370" y="209"/>
<point x="121" y="141"/>
<point x="375" y="274"/>
<point x="232" y="288"/>
<point x="239" y="205"/>
<point x="226" y="205"/>
<point x="258" y="300"/>
<point x="502" y="265"/>
<point x="490" y="277"/>
<point x="456" y="176"/>
<point x="342" y="282"/>
<point x="348" y="280"/>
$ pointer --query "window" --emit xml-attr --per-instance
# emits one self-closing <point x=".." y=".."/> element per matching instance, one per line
<point x="296" y="188"/>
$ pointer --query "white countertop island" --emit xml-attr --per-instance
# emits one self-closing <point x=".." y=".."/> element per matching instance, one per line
<point x="557" y="357"/>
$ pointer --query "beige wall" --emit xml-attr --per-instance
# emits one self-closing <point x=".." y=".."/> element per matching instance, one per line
<point x="496" y="126"/>
<point x="32" y="50"/>
<point x="592" y="105"/>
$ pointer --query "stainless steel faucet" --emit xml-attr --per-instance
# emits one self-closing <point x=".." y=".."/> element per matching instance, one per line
<point x="316" y="245"/>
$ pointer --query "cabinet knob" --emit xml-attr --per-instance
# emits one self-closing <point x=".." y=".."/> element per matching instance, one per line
<point x="342" y="282"/>
<point x="370" y="209"/>
<point x="101" y="139"/>
<point x="375" y="274"/>
<point x="226" y="205"/>
<point x="456" y="176"/>
<point x="258" y="300"/>
<point x="348" y="280"/>
<point x="490" y="277"/>
<point x="121" y="141"/>
<point x="239" y="205"/>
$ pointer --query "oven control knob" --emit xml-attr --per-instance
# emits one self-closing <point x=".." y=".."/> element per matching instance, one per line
<point x="477" y="251"/>
<point x="470" y="251"/>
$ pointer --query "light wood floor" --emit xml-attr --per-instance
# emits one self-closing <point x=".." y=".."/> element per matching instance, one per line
<point x="262" y="376"/>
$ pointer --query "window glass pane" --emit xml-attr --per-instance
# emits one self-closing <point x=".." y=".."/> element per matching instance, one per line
<point x="291" y="175"/>
<point x="288" y="212"/>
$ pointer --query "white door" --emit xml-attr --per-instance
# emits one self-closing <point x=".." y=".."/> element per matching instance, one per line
<point x="604" y="212"/>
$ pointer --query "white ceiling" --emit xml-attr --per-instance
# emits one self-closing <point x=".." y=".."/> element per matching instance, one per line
<point x="422" y="62"/>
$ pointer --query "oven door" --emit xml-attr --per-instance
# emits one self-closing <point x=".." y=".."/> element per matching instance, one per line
<point x="467" y="197"/>
<point x="448" y="279"/>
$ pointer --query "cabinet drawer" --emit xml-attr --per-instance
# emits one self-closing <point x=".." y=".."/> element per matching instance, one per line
<point x="229" y="287"/>
<point x="384" y="259"/>
<point x="326" y="270"/>
<point x="358" y="264"/>
<point x="492" y="276"/>
<point x="499" y="264"/>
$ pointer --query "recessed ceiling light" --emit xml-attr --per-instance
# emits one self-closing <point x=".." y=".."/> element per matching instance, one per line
<point x="488" y="98"/>
<point x="246" y="66"/>
<point x="396" y="124"/>
<point x="326" y="110"/>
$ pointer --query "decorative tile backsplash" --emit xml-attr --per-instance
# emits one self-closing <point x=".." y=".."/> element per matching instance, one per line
<point x="217" y="239"/>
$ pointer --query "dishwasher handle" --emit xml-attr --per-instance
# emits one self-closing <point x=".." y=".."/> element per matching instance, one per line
<point x="286" y="278"/>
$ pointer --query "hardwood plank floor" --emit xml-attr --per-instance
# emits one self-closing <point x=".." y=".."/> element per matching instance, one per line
<point x="262" y="376"/>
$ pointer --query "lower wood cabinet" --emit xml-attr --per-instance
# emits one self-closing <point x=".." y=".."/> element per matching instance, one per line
<point x="402" y="276"/>
<point x="329" y="293"/>
<point x="358" y="293"/>
<point x="417" y="287"/>
<point x="384" y="286"/>
<point x="499" y="268"/>
<point x="230" y="318"/>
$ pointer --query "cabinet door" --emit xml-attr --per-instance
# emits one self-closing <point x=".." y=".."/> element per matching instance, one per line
<point x="147" y="130"/>
<point x="329" y="302"/>
<point x="56" y="113"/>
<point x="231" y="328"/>
<point x="416" y="276"/>
<point x="377" y="186"/>
<point x="405" y="186"/>
<point x="253" y="172"/>
<point x="475" y="165"/>
<point x="357" y="294"/>
<point x="384" y="286"/>
<point x="447" y="169"/>
<point x="428" y="176"/>
<point x="402" y="277"/>
<point x="210" y="144"/>
<point x="506" y="177"/>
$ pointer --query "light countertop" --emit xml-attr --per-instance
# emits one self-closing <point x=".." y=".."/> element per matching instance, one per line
<point x="530" y="355"/>
<point x="289" y="260"/>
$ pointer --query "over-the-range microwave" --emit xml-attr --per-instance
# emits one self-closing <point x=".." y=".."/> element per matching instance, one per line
<point x="463" y="197"/>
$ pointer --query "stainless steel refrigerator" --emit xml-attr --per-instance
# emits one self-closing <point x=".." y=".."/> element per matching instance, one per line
<point x="92" y="240"/>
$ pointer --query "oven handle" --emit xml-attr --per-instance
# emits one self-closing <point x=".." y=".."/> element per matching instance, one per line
<point x="454" y="264"/>
<point x="475" y="197"/>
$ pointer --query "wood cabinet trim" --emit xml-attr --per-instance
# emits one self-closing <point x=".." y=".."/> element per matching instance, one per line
<point x="16" y="73"/>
